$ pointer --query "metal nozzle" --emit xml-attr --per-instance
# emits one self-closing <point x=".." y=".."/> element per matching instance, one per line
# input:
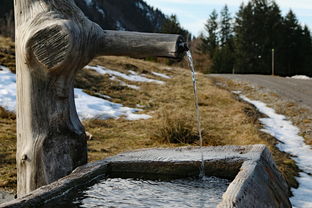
<point x="182" y="48"/>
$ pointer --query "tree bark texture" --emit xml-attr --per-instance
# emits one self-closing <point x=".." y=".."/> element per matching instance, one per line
<point x="53" y="41"/>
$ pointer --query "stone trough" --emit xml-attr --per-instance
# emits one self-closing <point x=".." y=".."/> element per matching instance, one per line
<point x="256" y="180"/>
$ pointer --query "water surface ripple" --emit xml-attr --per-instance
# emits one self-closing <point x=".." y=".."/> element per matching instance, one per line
<point x="116" y="192"/>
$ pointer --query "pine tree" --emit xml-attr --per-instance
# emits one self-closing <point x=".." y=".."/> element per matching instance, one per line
<point x="258" y="28"/>
<point x="244" y="43"/>
<point x="307" y="51"/>
<point x="292" y="54"/>
<point x="223" y="60"/>
<point x="210" y="41"/>
<point x="172" y="26"/>
<point x="226" y="30"/>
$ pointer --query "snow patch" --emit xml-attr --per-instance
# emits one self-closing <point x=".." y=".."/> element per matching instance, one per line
<point x="168" y="68"/>
<point x="119" y="26"/>
<point x="237" y="92"/>
<point x="148" y="12"/>
<point x="140" y="5"/>
<point x="284" y="131"/>
<point x="304" y="77"/>
<point x="134" y="77"/>
<point x="88" y="106"/>
<point x="149" y="15"/>
<point x="161" y="75"/>
<point x="89" y="2"/>
<point x="135" y="87"/>
<point x="103" y="96"/>
<point x="7" y="89"/>
<point x="100" y="10"/>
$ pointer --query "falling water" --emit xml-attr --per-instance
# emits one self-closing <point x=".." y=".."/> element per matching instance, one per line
<point x="191" y="64"/>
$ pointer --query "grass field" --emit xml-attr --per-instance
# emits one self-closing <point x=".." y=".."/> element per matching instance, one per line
<point x="299" y="115"/>
<point x="225" y="119"/>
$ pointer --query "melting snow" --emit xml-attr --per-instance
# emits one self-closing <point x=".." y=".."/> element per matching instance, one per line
<point x="87" y="106"/>
<point x="88" y="2"/>
<point x="140" y="5"/>
<point x="161" y="75"/>
<point x="119" y="26"/>
<point x="100" y="10"/>
<point x="103" y="96"/>
<point x="135" y="87"/>
<point x="7" y="89"/>
<point x="134" y="77"/>
<point x="290" y="142"/>
<point x="92" y="107"/>
<point x="147" y="10"/>
<point x="301" y="77"/>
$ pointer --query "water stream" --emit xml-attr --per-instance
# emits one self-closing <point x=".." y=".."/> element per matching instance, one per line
<point x="191" y="64"/>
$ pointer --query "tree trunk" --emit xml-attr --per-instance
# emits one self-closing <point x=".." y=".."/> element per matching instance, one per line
<point x="53" y="41"/>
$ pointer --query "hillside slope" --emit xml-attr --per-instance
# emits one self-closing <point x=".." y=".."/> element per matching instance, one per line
<point x="133" y="15"/>
<point x="130" y="15"/>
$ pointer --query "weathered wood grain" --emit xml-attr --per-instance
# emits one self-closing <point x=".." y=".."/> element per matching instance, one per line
<point x="53" y="41"/>
<point x="139" y="45"/>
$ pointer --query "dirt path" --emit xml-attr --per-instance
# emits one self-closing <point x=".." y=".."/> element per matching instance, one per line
<point x="299" y="91"/>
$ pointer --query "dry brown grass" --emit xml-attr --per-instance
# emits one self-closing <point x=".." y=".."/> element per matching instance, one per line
<point x="225" y="120"/>
<point x="7" y="150"/>
<point x="7" y="53"/>
<point x="175" y="126"/>
<point x="285" y="164"/>
<point x="299" y="115"/>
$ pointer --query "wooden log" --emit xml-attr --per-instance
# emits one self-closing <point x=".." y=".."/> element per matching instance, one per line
<point x="139" y="45"/>
<point x="53" y="41"/>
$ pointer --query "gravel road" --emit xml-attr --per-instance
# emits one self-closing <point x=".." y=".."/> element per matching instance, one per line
<point x="296" y="90"/>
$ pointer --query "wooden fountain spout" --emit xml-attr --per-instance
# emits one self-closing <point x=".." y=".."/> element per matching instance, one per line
<point x="54" y="40"/>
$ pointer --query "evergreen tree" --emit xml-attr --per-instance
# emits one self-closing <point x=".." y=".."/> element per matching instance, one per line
<point x="247" y="44"/>
<point x="172" y="26"/>
<point x="244" y="41"/>
<point x="274" y="38"/>
<point x="307" y="51"/>
<point x="226" y="30"/>
<point x="210" y="42"/>
<point x="258" y="25"/>
<point x="223" y="61"/>
<point x="292" y="55"/>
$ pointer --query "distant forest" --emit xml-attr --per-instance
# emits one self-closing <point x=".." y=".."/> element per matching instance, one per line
<point x="247" y="42"/>
<point x="130" y="15"/>
<point x="6" y="18"/>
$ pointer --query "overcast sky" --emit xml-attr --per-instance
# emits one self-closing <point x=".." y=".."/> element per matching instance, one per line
<point x="192" y="14"/>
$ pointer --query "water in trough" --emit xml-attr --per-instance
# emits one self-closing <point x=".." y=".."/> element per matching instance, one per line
<point x="117" y="192"/>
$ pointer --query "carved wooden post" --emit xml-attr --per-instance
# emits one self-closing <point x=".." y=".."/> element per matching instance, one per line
<point x="53" y="41"/>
